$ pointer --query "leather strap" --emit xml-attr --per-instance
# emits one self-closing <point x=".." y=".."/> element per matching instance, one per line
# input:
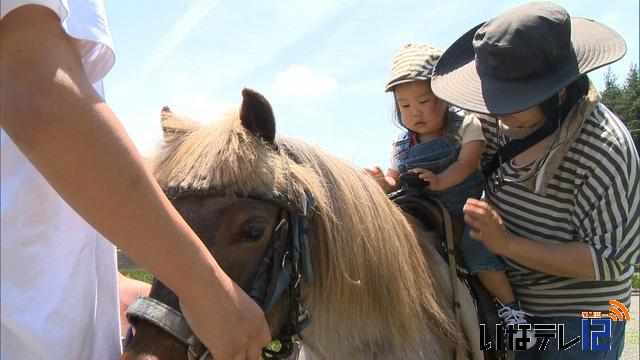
<point x="453" y="273"/>
<point x="162" y="316"/>
<point x="169" y="320"/>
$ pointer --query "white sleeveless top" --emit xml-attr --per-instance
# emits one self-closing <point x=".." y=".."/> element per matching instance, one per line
<point x="59" y="286"/>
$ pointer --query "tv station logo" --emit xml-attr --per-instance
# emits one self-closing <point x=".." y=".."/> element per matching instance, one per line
<point x="591" y="319"/>
<point x="595" y="327"/>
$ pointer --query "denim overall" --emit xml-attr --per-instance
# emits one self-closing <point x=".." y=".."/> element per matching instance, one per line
<point x="437" y="155"/>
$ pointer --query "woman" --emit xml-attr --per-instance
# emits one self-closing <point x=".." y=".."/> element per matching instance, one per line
<point x="562" y="207"/>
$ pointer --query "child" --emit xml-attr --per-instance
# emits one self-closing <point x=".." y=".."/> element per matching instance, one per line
<point x="444" y="148"/>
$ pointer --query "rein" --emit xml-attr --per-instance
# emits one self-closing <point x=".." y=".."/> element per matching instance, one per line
<point x="286" y="262"/>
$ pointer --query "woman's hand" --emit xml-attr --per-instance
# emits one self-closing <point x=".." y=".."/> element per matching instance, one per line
<point x="571" y="260"/>
<point x="487" y="226"/>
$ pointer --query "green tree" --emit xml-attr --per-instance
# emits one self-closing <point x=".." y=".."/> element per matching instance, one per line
<point x="625" y="100"/>
<point x="611" y="96"/>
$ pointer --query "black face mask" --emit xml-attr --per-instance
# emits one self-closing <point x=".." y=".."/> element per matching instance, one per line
<point x="551" y="109"/>
<point x="519" y="133"/>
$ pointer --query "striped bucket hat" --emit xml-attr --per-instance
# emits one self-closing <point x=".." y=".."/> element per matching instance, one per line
<point x="414" y="62"/>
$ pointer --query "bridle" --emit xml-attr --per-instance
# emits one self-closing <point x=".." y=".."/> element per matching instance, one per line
<point x="287" y="260"/>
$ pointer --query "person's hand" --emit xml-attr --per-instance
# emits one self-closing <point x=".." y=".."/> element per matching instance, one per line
<point x="432" y="180"/>
<point x="487" y="226"/>
<point x="229" y="323"/>
<point x="378" y="175"/>
<point x="129" y="290"/>
<point x="375" y="172"/>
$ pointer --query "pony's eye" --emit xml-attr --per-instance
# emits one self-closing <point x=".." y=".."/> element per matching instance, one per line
<point x="252" y="231"/>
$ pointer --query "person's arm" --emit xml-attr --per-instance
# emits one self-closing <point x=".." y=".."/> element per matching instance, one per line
<point x="54" y="116"/>
<point x="571" y="260"/>
<point x="388" y="182"/>
<point x="467" y="162"/>
<point x="605" y="216"/>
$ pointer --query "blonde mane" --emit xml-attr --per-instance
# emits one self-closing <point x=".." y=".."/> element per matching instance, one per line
<point x="373" y="292"/>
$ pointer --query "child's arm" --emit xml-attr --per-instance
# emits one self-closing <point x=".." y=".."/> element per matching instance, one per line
<point x="388" y="182"/>
<point x="467" y="163"/>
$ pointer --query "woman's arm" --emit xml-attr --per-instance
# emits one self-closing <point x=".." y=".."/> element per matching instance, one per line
<point x="573" y="260"/>
<point x="54" y="116"/>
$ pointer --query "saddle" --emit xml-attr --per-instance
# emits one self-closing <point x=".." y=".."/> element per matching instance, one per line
<point x="435" y="218"/>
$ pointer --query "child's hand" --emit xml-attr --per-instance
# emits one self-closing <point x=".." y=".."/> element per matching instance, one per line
<point x="375" y="172"/>
<point x="433" y="183"/>
<point x="377" y="175"/>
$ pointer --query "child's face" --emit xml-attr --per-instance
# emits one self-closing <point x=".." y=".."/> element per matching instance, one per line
<point x="421" y="111"/>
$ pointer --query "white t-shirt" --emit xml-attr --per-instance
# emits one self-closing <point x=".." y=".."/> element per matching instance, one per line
<point x="59" y="286"/>
<point x="470" y="130"/>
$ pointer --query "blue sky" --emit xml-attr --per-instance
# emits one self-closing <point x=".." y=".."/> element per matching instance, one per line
<point x="322" y="64"/>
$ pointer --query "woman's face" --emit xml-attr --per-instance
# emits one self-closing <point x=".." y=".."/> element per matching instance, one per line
<point x="523" y="123"/>
<point x="421" y="111"/>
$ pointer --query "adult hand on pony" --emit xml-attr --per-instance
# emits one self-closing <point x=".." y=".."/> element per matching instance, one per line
<point x="229" y="323"/>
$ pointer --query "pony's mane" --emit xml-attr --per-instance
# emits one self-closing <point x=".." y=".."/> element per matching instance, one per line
<point x="356" y="232"/>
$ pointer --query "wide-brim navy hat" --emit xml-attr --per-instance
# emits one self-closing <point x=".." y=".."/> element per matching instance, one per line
<point x="521" y="58"/>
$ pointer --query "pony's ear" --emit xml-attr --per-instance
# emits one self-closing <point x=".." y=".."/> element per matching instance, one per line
<point x="256" y="115"/>
<point x="173" y="126"/>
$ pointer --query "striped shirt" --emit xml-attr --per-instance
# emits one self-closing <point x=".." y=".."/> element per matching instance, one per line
<point x="593" y="198"/>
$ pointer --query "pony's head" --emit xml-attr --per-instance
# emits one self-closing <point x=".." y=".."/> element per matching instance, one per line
<point x="372" y="291"/>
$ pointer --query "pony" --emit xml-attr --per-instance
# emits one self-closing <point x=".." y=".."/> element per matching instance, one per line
<point x="378" y="291"/>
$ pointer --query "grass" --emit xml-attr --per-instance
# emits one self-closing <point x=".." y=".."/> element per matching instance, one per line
<point x="635" y="281"/>
<point x="138" y="274"/>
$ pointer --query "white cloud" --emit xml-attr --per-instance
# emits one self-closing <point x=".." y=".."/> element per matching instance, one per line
<point x="299" y="81"/>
